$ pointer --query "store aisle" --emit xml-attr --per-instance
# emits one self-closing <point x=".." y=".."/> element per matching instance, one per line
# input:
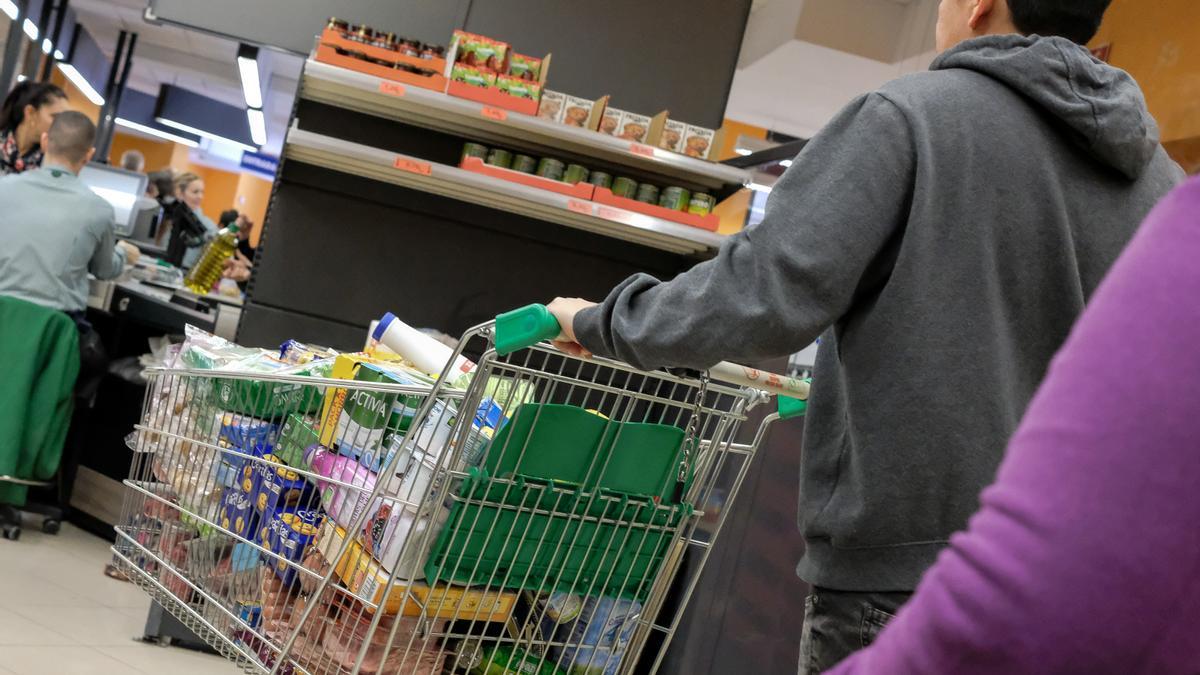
<point x="59" y="613"/>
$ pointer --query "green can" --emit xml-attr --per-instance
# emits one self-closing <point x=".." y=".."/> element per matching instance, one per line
<point x="475" y="150"/>
<point x="551" y="168"/>
<point x="702" y="204"/>
<point x="675" y="198"/>
<point x="524" y="164"/>
<point x="500" y="158"/>
<point x="647" y="193"/>
<point x="600" y="179"/>
<point x="625" y="187"/>
<point x="576" y="173"/>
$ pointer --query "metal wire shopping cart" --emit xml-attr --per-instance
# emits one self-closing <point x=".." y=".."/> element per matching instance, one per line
<point x="530" y="520"/>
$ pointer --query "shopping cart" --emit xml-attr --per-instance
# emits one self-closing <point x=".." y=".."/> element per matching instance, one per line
<point x="529" y="520"/>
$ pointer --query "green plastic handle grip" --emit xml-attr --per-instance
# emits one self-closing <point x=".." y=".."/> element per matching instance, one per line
<point x="791" y="407"/>
<point x="524" y="327"/>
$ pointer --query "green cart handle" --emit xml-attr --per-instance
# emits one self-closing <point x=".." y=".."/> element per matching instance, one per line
<point x="525" y="327"/>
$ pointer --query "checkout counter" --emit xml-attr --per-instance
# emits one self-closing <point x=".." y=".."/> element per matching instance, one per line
<point x="144" y="304"/>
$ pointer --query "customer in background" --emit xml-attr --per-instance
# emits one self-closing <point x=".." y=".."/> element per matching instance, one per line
<point x="27" y="113"/>
<point x="1084" y="554"/>
<point x="161" y="186"/>
<point x="133" y="160"/>
<point x="55" y="230"/>
<point x="943" y="233"/>
<point x="189" y="190"/>
<point x="246" y="250"/>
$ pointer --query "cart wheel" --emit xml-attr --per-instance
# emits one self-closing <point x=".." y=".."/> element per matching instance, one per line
<point x="51" y="526"/>
<point x="11" y="532"/>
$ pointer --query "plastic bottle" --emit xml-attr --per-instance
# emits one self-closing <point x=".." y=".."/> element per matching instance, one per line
<point x="207" y="270"/>
<point x="424" y="352"/>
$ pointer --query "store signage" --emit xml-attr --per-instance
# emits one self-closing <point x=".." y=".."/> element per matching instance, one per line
<point x="579" y="206"/>
<point x="413" y="166"/>
<point x="391" y="88"/>
<point x="640" y="149"/>
<point x="260" y="163"/>
<point x="497" y="114"/>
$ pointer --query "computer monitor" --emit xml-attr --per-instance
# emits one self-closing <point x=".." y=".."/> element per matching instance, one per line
<point x="118" y="187"/>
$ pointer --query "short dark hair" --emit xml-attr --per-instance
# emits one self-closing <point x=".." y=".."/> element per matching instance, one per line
<point x="26" y="93"/>
<point x="227" y="217"/>
<point x="165" y="182"/>
<point x="71" y="136"/>
<point x="1076" y="20"/>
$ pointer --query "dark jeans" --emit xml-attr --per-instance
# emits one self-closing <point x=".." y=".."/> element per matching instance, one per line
<point x="839" y="623"/>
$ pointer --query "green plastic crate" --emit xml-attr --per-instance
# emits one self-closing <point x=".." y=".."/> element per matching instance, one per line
<point x="499" y="533"/>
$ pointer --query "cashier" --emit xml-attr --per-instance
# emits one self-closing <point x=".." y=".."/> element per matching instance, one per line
<point x="55" y="230"/>
<point x="27" y="113"/>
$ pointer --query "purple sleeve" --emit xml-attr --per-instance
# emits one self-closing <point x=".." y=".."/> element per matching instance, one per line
<point x="1085" y="555"/>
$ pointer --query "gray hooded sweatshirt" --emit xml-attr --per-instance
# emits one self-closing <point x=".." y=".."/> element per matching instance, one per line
<point x="944" y="233"/>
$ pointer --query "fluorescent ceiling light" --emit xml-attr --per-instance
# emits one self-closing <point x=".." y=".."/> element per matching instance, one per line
<point x="251" y="85"/>
<point x="59" y="56"/>
<point x="787" y="163"/>
<point x="9" y="7"/>
<point x="206" y="134"/>
<point x="743" y="151"/>
<point x="759" y="187"/>
<point x="31" y="29"/>
<point x="21" y="78"/>
<point x="258" y="126"/>
<point x="157" y="132"/>
<point x="47" y="46"/>
<point x="81" y="83"/>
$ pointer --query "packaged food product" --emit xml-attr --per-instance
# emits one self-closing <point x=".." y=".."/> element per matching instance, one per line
<point x="295" y="436"/>
<point x="475" y="150"/>
<point x="576" y="111"/>
<point x="474" y="76"/>
<point x="634" y="127"/>
<point x="701" y="204"/>
<point x="647" y="193"/>
<point x="515" y="86"/>
<point x="364" y="576"/>
<point x="342" y="504"/>
<point x="393" y="536"/>
<point x="525" y="67"/>
<point x="610" y="121"/>
<point x="697" y="142"/>
<point x="672" y="136"/>
<point x="349" y="627"/>
<point x="600" y="179"/>
<point x="503" y="659"/>
<point x="289" y="534"/>
<point x="524" y="164"/>
<point x="478" y="50"/>
<point x="625" y="187"/>
<point x="551" y="168"/>
<point x="675" y="198"/>
<point x="278" y="488"/>
<point x="598" y="638"/>
<point x="499" y="157"/>
<point x="296" y="352"/>
<point x="575" y="173"/>
<point x="369" y="418"/>
<point x="237" y="513"/>
<point x="552" y="105"/>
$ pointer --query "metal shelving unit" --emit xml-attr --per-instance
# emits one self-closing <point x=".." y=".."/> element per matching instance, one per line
<point x="361" y="160"/>
<point x="351" y="90"/>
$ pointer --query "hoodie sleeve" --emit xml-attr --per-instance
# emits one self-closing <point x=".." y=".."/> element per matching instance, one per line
<point x="772" y="289"/>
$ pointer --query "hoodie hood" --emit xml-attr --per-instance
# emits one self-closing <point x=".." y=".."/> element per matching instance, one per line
<point x="1102" y="105"/>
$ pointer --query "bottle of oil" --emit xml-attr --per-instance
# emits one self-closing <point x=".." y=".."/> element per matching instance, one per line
<point x="207" y="270"/>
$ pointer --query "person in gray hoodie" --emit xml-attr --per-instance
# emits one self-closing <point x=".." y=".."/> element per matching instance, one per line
<point x="941" y="235"/>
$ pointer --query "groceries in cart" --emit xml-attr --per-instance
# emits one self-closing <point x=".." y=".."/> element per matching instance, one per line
<point x="406" y="509"/>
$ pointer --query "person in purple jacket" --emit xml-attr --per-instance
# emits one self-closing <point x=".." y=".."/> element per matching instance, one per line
<point x="1085" y="555"/>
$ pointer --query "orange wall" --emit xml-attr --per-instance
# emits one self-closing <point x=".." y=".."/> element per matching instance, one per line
<point x="1159" y="44"/>
<point x="75" y="97"/>
<point x="253" y="195"/>
<point x="157" y="153"/>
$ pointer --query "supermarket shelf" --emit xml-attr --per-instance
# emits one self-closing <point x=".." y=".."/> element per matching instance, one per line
<point x="448" y="181"/>
<point x="349" y="89"/>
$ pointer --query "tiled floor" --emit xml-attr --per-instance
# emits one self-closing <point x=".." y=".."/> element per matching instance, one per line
<point x="59" y="614"/>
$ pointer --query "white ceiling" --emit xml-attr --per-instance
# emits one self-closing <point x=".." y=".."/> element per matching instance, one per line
<point x="203" y="63"/>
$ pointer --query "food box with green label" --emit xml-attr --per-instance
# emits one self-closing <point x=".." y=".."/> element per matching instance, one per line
<point x="369" y="419"/>
<point x="294" y="438"/>
<point x="270" y="399"/>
